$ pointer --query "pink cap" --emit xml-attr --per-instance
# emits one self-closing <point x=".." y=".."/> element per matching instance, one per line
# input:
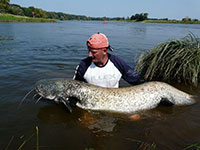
<point x="98" y="40"/>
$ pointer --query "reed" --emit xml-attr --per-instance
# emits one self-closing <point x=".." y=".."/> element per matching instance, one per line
<point x="193" y="146"/>
<point x="143" y="145"/>
<point x="25" y="141"/>
<point x="37" y="139"/>
<point x="173" y="60"/>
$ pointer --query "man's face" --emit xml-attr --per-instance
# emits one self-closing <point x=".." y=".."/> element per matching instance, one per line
<point x="97" y="55"/>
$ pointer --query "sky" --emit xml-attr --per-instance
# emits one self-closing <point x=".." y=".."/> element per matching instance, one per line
<point x="171" y="9"/>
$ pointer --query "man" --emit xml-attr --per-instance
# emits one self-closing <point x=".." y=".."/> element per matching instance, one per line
<point x="101" y="68"/>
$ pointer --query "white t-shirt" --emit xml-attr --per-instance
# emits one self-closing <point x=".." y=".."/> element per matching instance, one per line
<point x="106" y="76"/>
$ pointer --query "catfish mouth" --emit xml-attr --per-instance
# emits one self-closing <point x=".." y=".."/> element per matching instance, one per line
<point x="55" y="98"/>
<point x="44" y="94"/>
<point x="39" y="93"/>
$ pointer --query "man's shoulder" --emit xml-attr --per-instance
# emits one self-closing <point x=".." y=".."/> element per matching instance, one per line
<point x="116" y="59"/>
<point x="82" y="68"/>
<point x="86" y="61"/>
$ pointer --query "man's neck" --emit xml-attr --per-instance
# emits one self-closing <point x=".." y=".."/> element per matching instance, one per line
<point x="103" y="62"/>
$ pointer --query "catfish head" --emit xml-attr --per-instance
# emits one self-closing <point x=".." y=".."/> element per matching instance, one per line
<point x="49" y="89"/>
<point x="53" y="89"/>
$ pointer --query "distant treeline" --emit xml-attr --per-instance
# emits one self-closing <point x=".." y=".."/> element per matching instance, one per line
<point x="6" y="7"/>
<point x="14" y="9"/>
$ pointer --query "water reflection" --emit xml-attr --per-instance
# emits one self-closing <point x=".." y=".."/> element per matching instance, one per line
<point x="58" y="114"/>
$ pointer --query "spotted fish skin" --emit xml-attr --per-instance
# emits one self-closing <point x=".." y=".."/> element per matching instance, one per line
<point x="122" y="100"/>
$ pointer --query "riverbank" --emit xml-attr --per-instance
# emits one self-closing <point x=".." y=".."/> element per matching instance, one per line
<point x="172" y="21"/>
<point x="15" y="18"/>
<point x="161" y="21"/>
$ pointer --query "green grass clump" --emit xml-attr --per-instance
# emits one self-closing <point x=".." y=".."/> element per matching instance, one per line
<point x="193" y="147"/>
<point x="173" y="60"/>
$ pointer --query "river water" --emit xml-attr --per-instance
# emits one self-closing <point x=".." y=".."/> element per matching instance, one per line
<point x="33" y="51"/>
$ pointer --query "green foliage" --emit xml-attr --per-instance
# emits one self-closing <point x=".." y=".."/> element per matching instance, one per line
<point x="15" y="10"/>
<point x="4" y="5"/>
<point x="173" y="60"/>
<point x="139" y="17"/>
<point x="189" y="20"/>
<point x="2" y="8"/>
<point x="27" y="12"/>
<point x="5" y="1"/>
<point x="51" y="15"/>
<point x="39" y="13"/>
<point x="186" y="19"/>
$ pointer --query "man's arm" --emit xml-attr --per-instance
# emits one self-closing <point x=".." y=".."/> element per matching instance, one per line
<point x="81" y="69"/>
<point x="128" y="74"/>
<point x="78" y="75"/>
